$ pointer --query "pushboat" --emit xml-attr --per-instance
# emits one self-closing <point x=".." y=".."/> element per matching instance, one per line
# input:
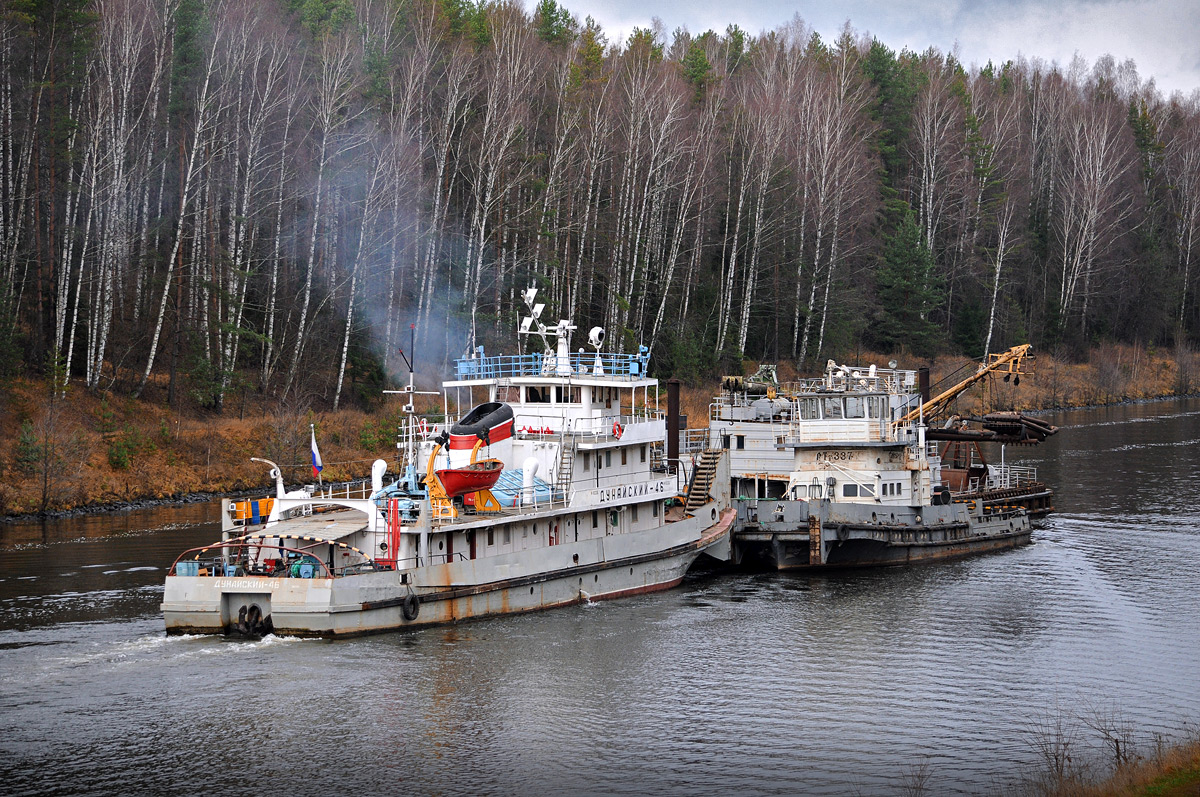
<point x="573" y="500"/>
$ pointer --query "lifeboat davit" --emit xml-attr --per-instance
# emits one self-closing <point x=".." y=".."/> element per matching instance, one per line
<point x="471" y="478"/>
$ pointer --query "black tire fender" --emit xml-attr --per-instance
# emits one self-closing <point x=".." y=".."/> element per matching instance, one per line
<point x="411" y="607"/>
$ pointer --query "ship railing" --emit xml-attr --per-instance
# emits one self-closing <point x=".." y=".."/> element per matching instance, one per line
<point x="553" y="498"/>
<point x="1003" y="477"/>
<point x="693" y="441"/>
<point x="875" y="430"/>
<point x="607" y="364"/>
<point x="859" y="379"/>
<point x="360" y="488"/>
<point x="599" y="428"/>
<point x="243" y="558"/>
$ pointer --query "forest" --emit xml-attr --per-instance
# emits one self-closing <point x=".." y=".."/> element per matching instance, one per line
<point x="200" y="198"/>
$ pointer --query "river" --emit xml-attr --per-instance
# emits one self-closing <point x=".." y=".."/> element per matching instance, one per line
<point x="951" y="676"/>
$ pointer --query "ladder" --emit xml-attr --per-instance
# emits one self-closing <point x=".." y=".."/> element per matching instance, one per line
<point x="566" y="461"/>
<point x="702" y="478"/>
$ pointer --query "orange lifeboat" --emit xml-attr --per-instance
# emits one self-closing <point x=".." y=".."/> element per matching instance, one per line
<point x="471" y="478"/>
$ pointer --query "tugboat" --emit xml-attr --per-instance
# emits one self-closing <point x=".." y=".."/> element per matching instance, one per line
<point x="842" y="470"/>
<point x="572" y="502"/>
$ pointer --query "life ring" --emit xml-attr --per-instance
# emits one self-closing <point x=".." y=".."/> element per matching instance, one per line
<point x="617" y="429"/>
<point x="842" y="535"/>
<point x="411" y="607"/>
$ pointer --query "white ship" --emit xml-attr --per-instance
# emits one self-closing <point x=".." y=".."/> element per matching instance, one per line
<point x="552" y="490"/>
<point x="843" y="470"/>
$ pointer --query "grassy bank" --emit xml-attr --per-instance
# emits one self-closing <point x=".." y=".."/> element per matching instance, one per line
<point x="92" y="448"/>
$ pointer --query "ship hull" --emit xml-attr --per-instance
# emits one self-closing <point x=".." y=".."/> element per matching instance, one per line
<point x="797" y="535"/>
<point x="378" y="602"/>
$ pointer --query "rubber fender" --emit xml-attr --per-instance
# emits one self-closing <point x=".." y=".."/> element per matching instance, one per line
<point x="411" y="607"/>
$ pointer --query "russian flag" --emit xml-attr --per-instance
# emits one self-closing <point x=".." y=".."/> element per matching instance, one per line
<point x="316" y="454"/>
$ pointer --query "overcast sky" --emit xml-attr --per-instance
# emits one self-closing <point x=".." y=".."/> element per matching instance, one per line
<point x="1161" y="36"/>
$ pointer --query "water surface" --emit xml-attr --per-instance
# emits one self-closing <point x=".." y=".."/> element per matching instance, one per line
<point x="762" y="683"/>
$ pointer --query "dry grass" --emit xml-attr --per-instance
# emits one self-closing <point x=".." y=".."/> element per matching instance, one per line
<point x="106" y="449"/>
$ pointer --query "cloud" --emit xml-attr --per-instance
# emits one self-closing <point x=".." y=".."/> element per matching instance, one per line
<point x="1159" y="35"/>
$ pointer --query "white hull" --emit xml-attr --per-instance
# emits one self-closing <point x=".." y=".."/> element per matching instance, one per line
<point x="596" y="569"/>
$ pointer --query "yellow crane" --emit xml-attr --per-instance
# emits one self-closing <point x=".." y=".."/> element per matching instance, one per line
<point x="1008" y="363"/>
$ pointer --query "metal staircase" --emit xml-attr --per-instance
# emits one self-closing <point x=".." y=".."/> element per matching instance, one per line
<point x="565" y="471"/>
<point x="702" y="479"/>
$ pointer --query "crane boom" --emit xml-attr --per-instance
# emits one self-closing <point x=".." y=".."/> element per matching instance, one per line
<point x="1008" y="363"/>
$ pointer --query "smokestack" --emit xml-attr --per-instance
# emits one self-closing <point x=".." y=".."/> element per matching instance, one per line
<point x="672" y="423"/>
<point x="923" y="383"/>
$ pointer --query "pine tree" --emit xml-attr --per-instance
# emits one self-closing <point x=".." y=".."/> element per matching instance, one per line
<point x="907" y="291"/>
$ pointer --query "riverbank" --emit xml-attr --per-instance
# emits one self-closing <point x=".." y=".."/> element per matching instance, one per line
<point x="1169" y="771"/>
<point x="95" y="451"/>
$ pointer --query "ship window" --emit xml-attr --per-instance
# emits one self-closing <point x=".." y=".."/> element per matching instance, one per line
<point x="608" y="459"/>
<point x="633" y="515"/>
<point x="595" y="519"/>
<point x="654" y="508"/>
<point x="868" y="489"/>
<point x="833" y="408"/>
<point x="624" y="457"/>
<point x="525" y="530"/>
<point x="643" y="453"/>
<point x="814" y="491"/>
<point x="491" y="537"/>
<point x="809" y="410"/>
<point x="507" y="535"/>
<point x="850" y="490"/>
<point x="587" y="462"/>
<point x="741" y="441"/>
<point x="855" y="408"/>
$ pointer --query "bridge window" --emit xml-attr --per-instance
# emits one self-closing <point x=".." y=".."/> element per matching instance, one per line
<point x="855" y="407"/>
<point x="833" y="408"/>
<point x="849" y="490"/>
<point x="741" y="441"/>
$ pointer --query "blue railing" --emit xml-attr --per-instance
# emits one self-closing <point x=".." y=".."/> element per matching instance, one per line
<point x="625" y="366"/>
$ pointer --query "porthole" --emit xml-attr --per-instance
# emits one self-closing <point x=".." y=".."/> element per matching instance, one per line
<point x="631" y="571"/>
<point x="441" y="545"/>
<point x="531" y="590"/>
<point x="596" y="578"/>
<point x="575" y="558"/>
